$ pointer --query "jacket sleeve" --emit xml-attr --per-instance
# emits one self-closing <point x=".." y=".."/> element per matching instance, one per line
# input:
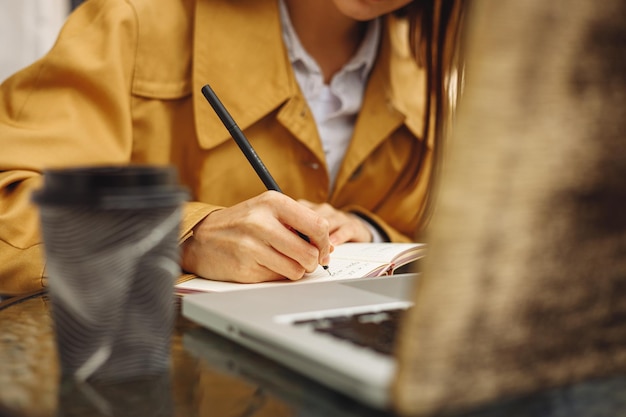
<point x="406" y="211"/>
<point x="70" y="108"/>
<point x="403" y="216"/>
<point x="402" y="203"/>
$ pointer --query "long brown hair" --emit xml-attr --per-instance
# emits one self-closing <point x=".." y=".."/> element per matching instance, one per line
<point x="435" y="28"/>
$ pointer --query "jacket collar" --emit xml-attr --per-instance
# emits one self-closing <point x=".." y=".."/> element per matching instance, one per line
<point x="253" y="77"/>
<point x="244" y="68"/>
<point x="394" y="96"/>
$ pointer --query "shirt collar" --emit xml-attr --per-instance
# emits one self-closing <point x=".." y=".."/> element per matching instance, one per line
<point x="362" y="61"/>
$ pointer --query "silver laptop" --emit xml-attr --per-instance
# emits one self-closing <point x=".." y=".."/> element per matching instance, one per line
<point x="339" y="333"/>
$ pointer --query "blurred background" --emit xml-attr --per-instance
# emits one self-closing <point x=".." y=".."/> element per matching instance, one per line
<point x="28" y="29"/>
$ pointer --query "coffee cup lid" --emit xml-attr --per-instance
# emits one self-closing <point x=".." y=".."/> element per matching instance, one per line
<point x="111" y="187"/>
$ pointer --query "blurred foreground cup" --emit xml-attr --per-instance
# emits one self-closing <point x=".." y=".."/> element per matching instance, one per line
<point x="110" y="237"/>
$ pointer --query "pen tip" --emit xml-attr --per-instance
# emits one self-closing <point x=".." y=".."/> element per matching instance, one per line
<point x="326" y="269"/>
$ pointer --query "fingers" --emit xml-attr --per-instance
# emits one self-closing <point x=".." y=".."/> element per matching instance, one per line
<point x="255" y="241"/>
<point x="351" y="229"/>
<point x="343" y="226"/>
<point x="227" y="255"/>
<point x="258" y="240"/>
<point x="303" y="220"/>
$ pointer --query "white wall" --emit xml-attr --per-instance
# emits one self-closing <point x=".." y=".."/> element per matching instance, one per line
<point x="28" y="29"/>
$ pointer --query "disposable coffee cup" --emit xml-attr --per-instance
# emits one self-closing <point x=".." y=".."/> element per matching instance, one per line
<point x="110" y="238"/>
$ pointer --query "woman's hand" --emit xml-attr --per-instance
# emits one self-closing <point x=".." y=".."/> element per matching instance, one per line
<point x="343" y="226"/>
<point x="255" y="241"/>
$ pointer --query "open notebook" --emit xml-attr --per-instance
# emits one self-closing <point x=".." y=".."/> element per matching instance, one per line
<point x="340" y="333"/>
<point x="348" y="261"/>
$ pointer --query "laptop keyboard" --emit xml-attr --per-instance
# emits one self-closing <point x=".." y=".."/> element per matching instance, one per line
<point x="376" y="330"/>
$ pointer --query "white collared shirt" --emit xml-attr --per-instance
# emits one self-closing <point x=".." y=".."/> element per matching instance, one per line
<point x="334" y="106"/>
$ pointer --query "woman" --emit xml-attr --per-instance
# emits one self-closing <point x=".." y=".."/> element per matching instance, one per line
<point x="328" y="92"/>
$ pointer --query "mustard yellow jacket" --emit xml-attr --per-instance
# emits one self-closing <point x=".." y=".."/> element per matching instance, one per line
<point x="122" y="84"/>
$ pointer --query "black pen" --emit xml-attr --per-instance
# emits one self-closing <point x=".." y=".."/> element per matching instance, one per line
<point x="245" y="147"/>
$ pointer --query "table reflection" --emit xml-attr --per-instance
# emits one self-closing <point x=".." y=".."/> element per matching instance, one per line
<point x="137" y="397"/>
<point x="209" y="376"/>
<point x="212" y="376"/>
